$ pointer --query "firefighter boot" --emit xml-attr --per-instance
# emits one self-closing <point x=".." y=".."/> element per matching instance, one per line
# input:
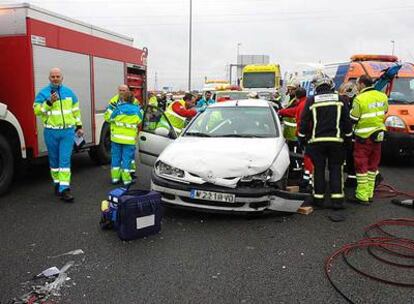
<point x="337" y="201"/>
<point x="371" y="185"/>
<point x="318" y="201"/>
<point x="362" y="190"/>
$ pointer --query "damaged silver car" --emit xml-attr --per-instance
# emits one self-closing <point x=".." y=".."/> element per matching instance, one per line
<point x="230" y="158"/>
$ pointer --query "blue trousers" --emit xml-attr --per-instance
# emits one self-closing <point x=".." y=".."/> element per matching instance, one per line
<point x="59" y="145"/>
<point x="122" y="156"/>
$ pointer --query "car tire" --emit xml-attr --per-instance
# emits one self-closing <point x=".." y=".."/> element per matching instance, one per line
<point x="6" y="164"/>
<point x="101" y="154"/>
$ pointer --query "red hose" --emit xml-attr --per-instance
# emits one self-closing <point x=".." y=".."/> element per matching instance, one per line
<point x="388" y="191"/>
<point x="388" y="243"/>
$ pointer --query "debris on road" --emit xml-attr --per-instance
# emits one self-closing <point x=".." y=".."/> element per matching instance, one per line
<point x="51" y="288"/>
<point x="50" y="272"/>
<point x="73" y="252"/>
<point x="406" y="203"/>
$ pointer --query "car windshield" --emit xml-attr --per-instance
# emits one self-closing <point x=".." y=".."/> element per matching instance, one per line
<point x="237" y="121"/>
<point x="402" y="91"/>
<point x="259" y="80"/>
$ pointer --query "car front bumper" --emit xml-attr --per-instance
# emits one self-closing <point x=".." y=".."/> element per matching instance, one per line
<point x="247" y="199"/>
<point x="398" y="144"/>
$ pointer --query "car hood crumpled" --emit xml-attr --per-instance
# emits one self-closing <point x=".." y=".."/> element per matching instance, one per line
<point x="223" y="161"/>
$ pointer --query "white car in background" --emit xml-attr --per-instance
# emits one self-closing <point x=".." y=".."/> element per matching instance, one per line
<point x="230" y="158"/>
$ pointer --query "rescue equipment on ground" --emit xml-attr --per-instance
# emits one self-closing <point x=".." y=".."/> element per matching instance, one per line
<point x="402" y="249"/>
<point x="132" y="213"/>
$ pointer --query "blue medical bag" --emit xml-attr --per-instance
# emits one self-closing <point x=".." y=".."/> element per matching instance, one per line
<point x="139" y="214"/>
<point x="133" y="213"/>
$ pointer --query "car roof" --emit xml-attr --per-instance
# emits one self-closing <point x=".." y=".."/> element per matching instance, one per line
<point x="241" y="103"/>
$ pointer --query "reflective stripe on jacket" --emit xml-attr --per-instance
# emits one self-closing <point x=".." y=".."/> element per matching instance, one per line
<point x="63" y="113"/>
<point x="368" y="111"/>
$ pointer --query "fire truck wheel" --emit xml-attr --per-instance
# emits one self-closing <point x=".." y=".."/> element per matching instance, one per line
<point x="6" y="164"/>
<point x="102" y="154"/>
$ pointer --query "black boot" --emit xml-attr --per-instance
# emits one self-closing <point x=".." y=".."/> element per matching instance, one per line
<point x="133" y="176"/>
<point x="56" y="190"/>
<point x="66" y="196"/>
<point x="318" y="203"/>
<point x="350" y="183"/>
<point x="338" y="205"/>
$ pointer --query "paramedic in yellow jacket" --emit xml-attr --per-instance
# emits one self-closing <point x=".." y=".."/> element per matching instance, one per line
<point x="58" y="108"/>
<point x="123" y="90"/>
<point x="124" y="118"/>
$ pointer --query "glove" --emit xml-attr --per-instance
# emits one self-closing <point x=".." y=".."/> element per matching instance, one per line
<point x="302" y="142"/>
<point x="348" y="143"/>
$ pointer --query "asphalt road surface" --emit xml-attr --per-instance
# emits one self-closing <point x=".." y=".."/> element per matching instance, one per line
<point x="197" y="258"/>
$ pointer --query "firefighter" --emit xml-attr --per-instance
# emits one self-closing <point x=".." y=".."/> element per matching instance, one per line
<point x="162" y="102"/>
<point x="368" y="114"/>
<point x="123" y="91"/>
<point x="289" y="123"/>
<point x="325" y="126"/>
<point x="170" y="99"/>
<point x="124" y="118"/>
<point x="178" y="112"/>
<point x="296" y="112"/>
<point x="58" y="108"/>
<point x="276" y="100"/>
<point x="348" y="91"/>
<point x="152" y="100"/>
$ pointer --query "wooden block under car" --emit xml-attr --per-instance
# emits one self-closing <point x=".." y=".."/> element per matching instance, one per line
<point x="292" y="188"/>
<point x="305" y="210"/>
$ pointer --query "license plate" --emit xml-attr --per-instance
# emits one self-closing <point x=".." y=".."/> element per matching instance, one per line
<point x="212" y="196"/>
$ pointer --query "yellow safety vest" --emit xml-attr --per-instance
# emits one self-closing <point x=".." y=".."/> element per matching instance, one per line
<point x="289" y="128"/>
<point x="369" y="109"/>
<point x="176" y="120"/>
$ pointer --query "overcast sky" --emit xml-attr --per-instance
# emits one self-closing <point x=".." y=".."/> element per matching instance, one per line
<point x="289" y="31"/>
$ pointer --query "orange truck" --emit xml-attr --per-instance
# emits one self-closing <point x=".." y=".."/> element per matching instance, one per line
<point x="399" y="140"/>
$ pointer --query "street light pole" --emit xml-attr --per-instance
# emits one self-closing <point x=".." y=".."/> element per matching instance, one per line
<point x="237" y="62"/>
<point x="189" y="45"/>
<point x="393" y="47"/>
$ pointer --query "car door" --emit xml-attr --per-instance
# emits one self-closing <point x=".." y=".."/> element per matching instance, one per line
<point x="156" y="134"/>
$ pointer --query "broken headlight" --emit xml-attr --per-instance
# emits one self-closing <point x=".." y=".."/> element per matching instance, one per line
<point x="164" y="169"/>
<point x="262" y="177"/>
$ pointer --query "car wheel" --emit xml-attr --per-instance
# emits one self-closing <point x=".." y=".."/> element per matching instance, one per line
<point x="6" y="164"/>
<point x="102" y="154"/>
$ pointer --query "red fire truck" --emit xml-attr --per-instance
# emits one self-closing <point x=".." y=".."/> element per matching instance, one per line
<point x="94" y="62"/>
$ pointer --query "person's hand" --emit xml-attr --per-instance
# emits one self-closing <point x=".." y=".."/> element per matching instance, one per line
<point x="54" y="97"/>
<point x="80" y="132"/>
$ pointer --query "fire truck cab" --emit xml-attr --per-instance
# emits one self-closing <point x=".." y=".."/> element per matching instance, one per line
<point x="94" y="63"/>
